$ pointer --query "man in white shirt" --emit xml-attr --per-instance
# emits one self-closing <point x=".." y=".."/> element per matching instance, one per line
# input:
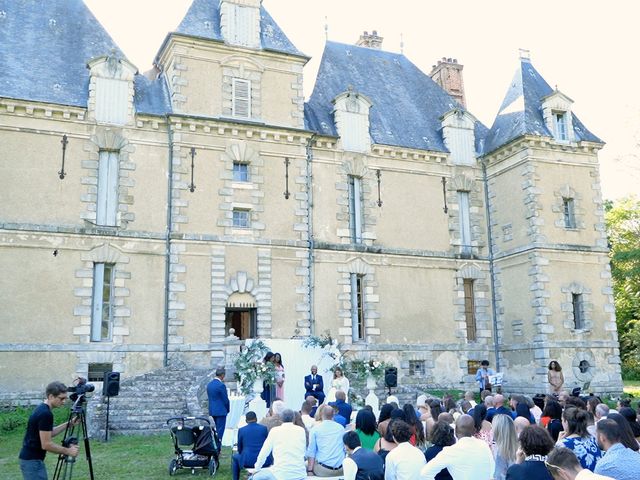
<point x="405" y="461"/>
<point x="287" y="442"/>
<point x="468" y="459"/>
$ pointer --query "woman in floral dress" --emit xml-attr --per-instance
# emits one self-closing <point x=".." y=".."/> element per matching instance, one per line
<point x="576" y="438"/>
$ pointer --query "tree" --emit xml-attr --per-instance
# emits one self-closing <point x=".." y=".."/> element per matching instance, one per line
<point x="623" y="229"/>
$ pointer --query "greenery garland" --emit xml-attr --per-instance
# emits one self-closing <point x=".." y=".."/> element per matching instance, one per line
<point x="249" y="366"/>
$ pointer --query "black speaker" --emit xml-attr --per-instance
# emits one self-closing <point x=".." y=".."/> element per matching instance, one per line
<point x="391" y="377"/>
<point x="111" y="385"/>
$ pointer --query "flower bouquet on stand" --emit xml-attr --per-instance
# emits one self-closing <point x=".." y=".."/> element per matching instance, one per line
<point x="251" y="370"/>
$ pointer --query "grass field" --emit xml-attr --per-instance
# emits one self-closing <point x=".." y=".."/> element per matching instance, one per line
<point x="632" y="387"/>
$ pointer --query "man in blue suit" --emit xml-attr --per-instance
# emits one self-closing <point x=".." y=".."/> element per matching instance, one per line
<point x="314" y="385"/>
<point x="218" y="402"/>
<point x="344" y="409"/>
<point x="250" y="440"/>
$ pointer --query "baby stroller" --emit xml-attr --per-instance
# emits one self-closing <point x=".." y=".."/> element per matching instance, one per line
<point x="195" y="443"/>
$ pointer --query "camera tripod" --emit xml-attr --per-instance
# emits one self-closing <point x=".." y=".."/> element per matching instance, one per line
<point x="64" y="467"/>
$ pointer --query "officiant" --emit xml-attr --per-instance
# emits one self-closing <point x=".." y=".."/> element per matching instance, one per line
<point x="313" y="385"/>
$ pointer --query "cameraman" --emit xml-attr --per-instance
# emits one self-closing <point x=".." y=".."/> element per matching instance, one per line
<point x="37" y="440"/>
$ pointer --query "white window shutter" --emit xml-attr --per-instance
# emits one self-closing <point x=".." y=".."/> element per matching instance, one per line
<point x="241" y="94"/>
<point x="112" y="100"/>
<point x="107" y="198"/>
<point x="465" y="221"/>
<point x="96" y="310"/>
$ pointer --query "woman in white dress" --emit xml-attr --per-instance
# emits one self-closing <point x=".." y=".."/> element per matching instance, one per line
<point x="339" y="382"/>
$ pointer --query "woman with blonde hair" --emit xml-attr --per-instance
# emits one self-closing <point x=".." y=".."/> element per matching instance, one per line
<point x="506" y="444"/>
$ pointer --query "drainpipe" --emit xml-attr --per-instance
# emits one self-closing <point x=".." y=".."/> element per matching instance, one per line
<point x="492" y="275"/>
<point x="311" y="257"/>
<point x="167" y="263"/>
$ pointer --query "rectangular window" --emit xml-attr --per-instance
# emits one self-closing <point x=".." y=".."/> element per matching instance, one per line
<point x="473" y="366"/>
<point x="416" y="368"/>
<point x="240" y="172"/>
<point x="102" y="302"/>
<point x="560" y="123"/>
<point x="107" y="197"/>
<point x="578" y="317"/>
<point x="97" y="370"/>
<point x="357" y="307"/>
<point x="465" y="222"/>
<point x="241" y="98"/>
<point x="241" y="218"/>
<point x="569" y="213"/>
<point x="469" y="309"/>
<point x="355" y="208"/>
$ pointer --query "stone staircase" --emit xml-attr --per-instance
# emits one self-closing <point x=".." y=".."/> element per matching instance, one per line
<point x="146" y="402"/>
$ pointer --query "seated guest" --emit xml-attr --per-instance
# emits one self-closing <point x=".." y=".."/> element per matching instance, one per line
<point x="553" y="410"/>
<point x="482" y="427"/>
<point x="535" y="444"/>
<point x="314" y="404"/>
<point x="287" y="444"/>
<point x="326" y="450"/>
<point x="417" y="429"/>
<point x="314" y="386"/>
<point x="251" y="437"/>
<point x="385" y="443"/>
<point x="405" y="461"/>
<point x="626" y="435"/>
<point x="564" y="465"/>
<point x="470" y="397"/>
<point x="273" y="418"/>
<point x="576" y="438"/>
<point x="535" y="410"/>
<point x="519" y="423"/>
<point x="619" y="462"/>
<point x="344" y="409"/>
<point x="384" y="418"/>
<point x="601" y="411"/>
<point x="441" y="436"/>
<point x="506" y="444"/>
<point x="366" y="429"/>
<point x="631" y="416"/>
<point x="498" y="401"/>
<point x="360" y="463"/>
<point x="468" y="458"/>
<point x="305" y="413"/>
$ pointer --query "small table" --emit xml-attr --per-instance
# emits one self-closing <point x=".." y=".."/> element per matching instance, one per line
<point x="236" y="409"/>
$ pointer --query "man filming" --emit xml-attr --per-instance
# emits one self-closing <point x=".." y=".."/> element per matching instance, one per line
<point x="40" y="430"/>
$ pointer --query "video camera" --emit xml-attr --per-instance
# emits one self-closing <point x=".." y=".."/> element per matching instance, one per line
<point x="81" y="388"/>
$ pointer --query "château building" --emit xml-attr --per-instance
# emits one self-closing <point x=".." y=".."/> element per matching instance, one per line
<point x="144" y="215"/>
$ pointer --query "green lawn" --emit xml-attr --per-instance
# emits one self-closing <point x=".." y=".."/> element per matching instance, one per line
<point x="632" y="387"/>
<point x="134" y="457"/>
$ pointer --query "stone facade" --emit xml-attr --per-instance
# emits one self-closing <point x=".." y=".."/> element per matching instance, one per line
<point x="184" y="261"/>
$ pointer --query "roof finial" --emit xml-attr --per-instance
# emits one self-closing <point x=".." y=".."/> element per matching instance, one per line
<point x="326" y="28"/>
<point x="401" y="43"/>
<point x="525" y="54"/>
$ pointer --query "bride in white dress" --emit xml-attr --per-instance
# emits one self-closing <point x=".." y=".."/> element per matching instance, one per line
<point x="339" y="382"/>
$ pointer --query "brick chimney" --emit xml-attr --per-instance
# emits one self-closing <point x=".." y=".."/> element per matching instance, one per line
<point x="370" y="40"/>
<point x="448" y="74"/>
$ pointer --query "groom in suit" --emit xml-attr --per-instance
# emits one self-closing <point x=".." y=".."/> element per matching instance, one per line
<point x="218" y="402"/>
<point x="314" y="385"/>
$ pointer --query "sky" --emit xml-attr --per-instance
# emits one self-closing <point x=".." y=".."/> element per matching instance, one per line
<point x="584" y="47"/>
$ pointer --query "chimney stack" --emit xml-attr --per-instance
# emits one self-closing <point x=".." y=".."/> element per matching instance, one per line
<point x="448" y="74"/>
<point x="370" y="40"/>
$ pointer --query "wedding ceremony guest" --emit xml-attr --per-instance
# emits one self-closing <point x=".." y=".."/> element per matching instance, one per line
<point x="555" y="377"/>
<point x="576" y="438"/>
<point x="360" y="463"/>
<point x="344" y="409"/>
<point x="287" y="445"/>
<point x="500" y="409"/>
<point x="482" y="376"/>
<point x="313" y="401"/>
<point x="40" y="430"/>
<point x="553" y="410"/>
<point x="562" y="397"/>
<point x="326" y="450"/>
<point x="405" y="461"/>
<point x="564" y="465"/>
<point x="339" y="419"/>
<point x="482" y="427"/>
<point x="506" y="444"/>
<point x="314" y="386"/>
<point x="619" y="461"/>
<point x="384" y="418"/>
<point x="626" y="435"/>
<point x="417" y="429"/>
<point x="535" y="410"/>
<point x="340" y="383"/>
<point x="630" y="415"/>
<point x="522" y="410"/>
<point x="441" y="436"/>
<point x="297" y="420"/>
<point x="251" y="437"/>
<point x="601" y="412"/>
<point x="465" y="406"/>
<point x="305" y="414"/>
<point x="274" y="415"/>
<point x="468" y="458"/>
<point x="218" y="402"/>
<point x="519" y="423"/>
<point x="366" y="429"/>
<point x="386" y="443"/>
<point x="277" y="361"/>
<point x="535" y="444"/>
<point x="469" y="396"/>
<point x="488" y="402"/>
<point x="268" y="389"/>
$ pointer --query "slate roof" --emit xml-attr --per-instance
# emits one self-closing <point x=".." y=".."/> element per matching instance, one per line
<point x="521" y="111"/>
<point x="407" y="103"/>
<point x="44" y="49"/>
<point x="203" y="20"/>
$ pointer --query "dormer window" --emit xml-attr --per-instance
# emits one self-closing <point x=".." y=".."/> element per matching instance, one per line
<point x="560" y="126"/>
<point x="352" y="121"/>
<point x="241" y="98"/>
<point x="240" y="22"/>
